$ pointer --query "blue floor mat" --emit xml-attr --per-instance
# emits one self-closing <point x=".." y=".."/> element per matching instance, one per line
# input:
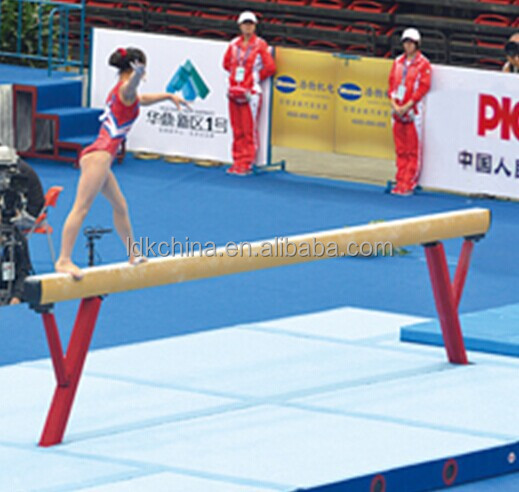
<point x="494" y="331"/>
<point x="207" y="205"/>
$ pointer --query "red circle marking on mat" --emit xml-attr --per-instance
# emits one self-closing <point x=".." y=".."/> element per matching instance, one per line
<point x="448" y="464"/>
<point x="380" y="482"/>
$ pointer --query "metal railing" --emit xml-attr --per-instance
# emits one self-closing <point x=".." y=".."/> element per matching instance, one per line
<point x="53" y="44"/>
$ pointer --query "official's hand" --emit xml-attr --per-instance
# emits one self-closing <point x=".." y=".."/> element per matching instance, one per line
<point x="405" y="108"/>
<point x="179" y="102"/>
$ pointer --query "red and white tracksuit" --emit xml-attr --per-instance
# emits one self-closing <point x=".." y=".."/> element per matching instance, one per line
<point x="247" y="65"/>
<point x="409" y="80"/>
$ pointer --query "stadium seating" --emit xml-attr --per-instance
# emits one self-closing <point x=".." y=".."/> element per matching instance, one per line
<point x="370" y="6"/>
<point x="333" y="25"/>
<point x="492" y="20"/>
<point x="298" y="3"/>
<point x="500" y="2"/>
<point x="327" y="45"/>
<point x="328" y="4"/>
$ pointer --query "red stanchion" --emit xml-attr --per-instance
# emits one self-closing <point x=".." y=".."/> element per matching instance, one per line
<point x="67" y="368"/>
<point x="462" y="269"/>
<point x="446" y="302"/>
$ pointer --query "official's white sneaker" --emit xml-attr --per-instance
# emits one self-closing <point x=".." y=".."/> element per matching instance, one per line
<point x="399" y="192"/>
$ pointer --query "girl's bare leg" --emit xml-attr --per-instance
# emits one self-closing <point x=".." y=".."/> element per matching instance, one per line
<point x="94" y="171"/>
<point x="113" y="194"/>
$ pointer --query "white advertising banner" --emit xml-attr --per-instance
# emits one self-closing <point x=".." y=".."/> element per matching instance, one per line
<point x="471" y="132"/>
<point x="190" y="67"/>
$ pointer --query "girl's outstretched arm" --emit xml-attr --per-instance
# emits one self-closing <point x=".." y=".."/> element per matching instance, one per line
<point x="147" y="99"/>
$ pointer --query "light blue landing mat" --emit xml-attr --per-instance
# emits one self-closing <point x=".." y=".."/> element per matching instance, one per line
<point x="298" y="403"/>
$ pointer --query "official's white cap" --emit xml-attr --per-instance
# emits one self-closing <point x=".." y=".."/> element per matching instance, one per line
<point x="247" y="16"/>
<point x="412" y="34"/>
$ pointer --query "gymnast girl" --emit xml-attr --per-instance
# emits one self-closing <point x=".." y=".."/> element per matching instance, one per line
<point x="122" y="109"/>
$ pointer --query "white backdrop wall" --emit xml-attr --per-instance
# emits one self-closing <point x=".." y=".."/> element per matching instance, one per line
<point x="471" y="132"/>
<point x="204" y="132"/>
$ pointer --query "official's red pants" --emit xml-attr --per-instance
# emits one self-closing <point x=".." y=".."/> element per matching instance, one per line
<point x="244" y="122"/>
<point x="408" y="153"/>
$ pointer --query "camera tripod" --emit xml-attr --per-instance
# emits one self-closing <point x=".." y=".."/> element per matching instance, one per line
<point x="92" y="234"/>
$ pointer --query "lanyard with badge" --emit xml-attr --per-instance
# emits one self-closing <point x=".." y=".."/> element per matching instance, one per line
<point x="400" y="92"/>
<point x="239" y="75"/>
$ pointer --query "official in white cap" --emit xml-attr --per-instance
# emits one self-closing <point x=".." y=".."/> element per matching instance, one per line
<point x="409" y="82"/>
<point x="249" y="62"/>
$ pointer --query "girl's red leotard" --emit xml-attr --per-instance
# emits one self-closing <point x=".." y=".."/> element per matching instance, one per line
<point x="117" y="121"/>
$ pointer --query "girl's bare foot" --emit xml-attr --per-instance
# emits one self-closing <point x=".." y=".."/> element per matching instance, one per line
<point x="137" y="260"/>
<point x="66" y="266"/>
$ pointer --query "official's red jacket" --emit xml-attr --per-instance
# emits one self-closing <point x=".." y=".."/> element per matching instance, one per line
<point x="255" y="59"/>
<point x="417" y="78"/>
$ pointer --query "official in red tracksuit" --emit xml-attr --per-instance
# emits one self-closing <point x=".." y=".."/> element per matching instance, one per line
<point x="248" y="62"/>
<point x="409" y="82"/>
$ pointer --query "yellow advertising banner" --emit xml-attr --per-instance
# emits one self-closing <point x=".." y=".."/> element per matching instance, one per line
<point x="362" y="111"/>
<point x="330" y="103"/>
<point x="303" y="114"/>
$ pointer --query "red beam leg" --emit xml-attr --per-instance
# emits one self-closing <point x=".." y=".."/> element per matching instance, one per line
<point x="462" y="269"/>
<point x="56" y="351"/>
<point x="446" y="304"/>
<point x="74" y="360"/>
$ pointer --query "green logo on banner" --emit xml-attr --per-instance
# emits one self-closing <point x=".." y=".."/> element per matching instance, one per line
<point x="188" y="80"/>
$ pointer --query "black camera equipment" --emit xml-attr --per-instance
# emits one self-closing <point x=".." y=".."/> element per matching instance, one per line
<point x="512" y="48"/>
<point x="13" y="200"/>
<point x="92" y="234"/>
<point x="13" y="185"/>
<point x="8" y="245"/>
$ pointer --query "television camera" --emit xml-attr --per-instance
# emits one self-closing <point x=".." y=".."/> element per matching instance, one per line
<point x="13" y="206"/>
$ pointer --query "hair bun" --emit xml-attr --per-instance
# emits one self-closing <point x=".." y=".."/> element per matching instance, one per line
<point x="122" y="58"/>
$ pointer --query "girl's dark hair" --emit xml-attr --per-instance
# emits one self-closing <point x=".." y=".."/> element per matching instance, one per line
<point x="122" y="58"/>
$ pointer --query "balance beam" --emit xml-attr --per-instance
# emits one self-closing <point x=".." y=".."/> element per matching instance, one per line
<point x="121" y="277"/>
<point x="429" y="230"/>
